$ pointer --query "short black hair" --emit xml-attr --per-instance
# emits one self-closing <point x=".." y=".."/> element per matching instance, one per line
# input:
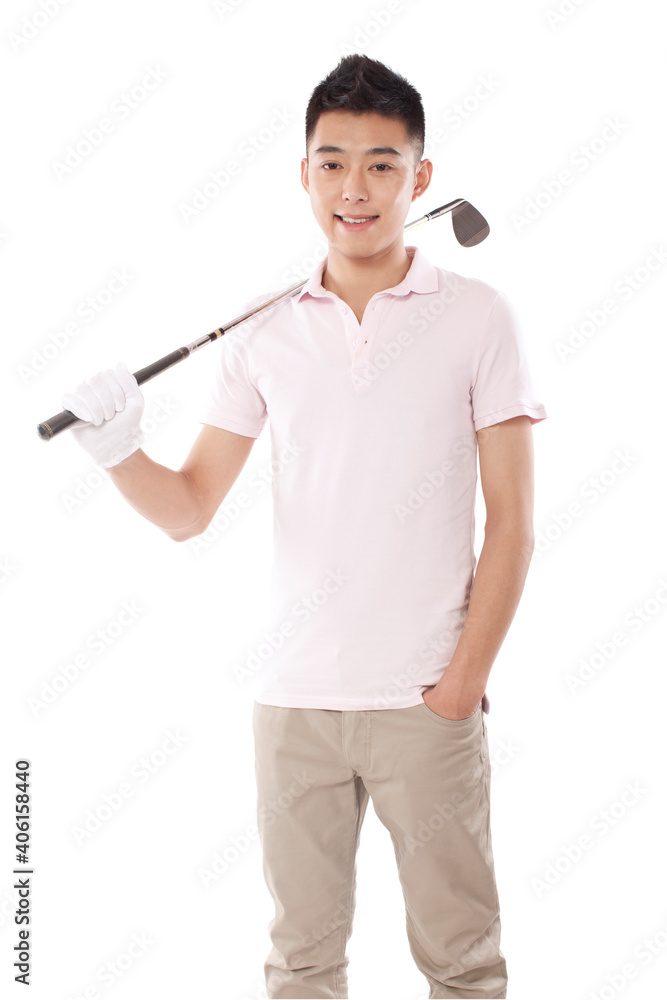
<point x="360" y="84"/>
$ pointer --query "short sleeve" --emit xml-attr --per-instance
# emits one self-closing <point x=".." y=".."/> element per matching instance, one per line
<point x="233" y="401"/>
<point x="502" y="384"/>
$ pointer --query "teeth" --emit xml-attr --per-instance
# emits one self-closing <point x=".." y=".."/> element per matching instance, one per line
<point x="345" y="218"/>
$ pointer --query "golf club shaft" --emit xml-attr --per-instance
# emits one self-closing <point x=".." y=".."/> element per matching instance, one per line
<point x="54" y="425"/>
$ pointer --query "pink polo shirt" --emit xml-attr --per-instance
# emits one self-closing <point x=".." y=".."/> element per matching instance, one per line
<point x="373" y="436"/>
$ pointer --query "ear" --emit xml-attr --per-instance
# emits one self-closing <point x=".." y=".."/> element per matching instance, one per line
<point x="304" y="174"/>
<point x="423" y="176"/>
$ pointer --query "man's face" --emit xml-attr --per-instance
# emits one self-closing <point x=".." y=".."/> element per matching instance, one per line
<point x="360" y="166"/>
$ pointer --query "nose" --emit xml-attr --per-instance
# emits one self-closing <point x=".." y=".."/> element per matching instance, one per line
<point x="355" y="187"/>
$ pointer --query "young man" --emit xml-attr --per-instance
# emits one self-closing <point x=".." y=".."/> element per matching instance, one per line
<point x="386" y="377"/>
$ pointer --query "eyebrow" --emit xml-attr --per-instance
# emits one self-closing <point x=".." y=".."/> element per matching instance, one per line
<point x="375" y="151"/>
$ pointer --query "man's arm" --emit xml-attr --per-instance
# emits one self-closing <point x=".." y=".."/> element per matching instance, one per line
<point x="179" y="502"/>
<point x="506" y="471"/>
<point x="182" y="502"/>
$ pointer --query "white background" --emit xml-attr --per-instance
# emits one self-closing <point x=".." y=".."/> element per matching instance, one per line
<point x="560" y="758"/>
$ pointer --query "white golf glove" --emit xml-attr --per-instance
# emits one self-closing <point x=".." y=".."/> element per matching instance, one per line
<point x="112" y="405"/>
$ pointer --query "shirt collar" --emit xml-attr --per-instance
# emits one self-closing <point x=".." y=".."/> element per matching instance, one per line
<point x="421" y="277"/>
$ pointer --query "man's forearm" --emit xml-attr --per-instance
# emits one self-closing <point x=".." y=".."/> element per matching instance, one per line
<point x="162" y="495"/>
<point x="497" y="587"/>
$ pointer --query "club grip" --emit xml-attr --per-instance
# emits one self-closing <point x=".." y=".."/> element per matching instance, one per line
<point x="150" y="371"/>
<point x="54" y="425"/>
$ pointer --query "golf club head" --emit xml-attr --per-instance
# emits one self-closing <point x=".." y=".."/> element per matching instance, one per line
<point x="470" y="226"/>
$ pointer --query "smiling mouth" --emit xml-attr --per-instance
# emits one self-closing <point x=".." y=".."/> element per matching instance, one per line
<point x="356" y="220"/>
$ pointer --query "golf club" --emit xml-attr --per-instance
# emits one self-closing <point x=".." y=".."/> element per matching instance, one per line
<point x="470" y="228"/>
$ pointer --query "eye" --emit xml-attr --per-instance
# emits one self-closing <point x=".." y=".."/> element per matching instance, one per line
<point x="383" y="167"/>
<point x="326" y="166"/>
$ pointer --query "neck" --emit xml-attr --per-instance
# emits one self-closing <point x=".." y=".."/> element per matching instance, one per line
<point x="359" y="278"/>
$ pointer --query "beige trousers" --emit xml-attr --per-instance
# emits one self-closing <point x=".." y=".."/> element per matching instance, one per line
<point x="429" y="780"/>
